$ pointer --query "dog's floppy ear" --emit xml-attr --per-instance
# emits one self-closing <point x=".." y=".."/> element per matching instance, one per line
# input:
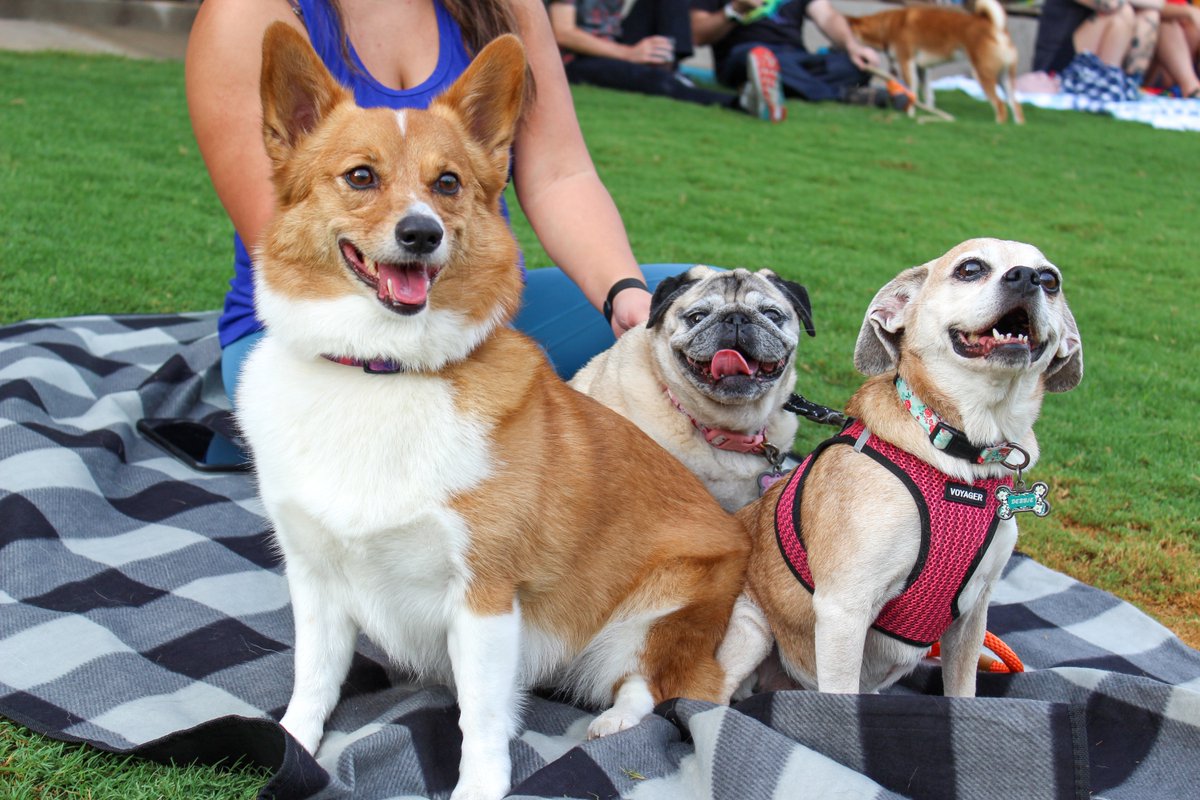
<point x="878" y="346"/>
<point x="1066" y="368"/>
<point x="297" y="91"/>
<point x="665" y="293"/>
<point x="798" y="295"/>
<point x="488" y="96"/>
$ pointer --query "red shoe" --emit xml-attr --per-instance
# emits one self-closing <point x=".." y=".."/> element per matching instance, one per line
<point x="762" y="95"/>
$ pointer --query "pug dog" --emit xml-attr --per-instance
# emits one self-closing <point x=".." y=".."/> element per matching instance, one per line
<point x="892" y="534"/>
<point x="708" y="374"/>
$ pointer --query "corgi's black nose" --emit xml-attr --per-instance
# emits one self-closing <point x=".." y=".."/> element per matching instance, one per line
<point x="1022" y="280"/>
<point x="419" y="234"/>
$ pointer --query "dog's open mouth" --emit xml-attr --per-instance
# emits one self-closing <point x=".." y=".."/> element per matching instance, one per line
<point x="731" y="364"/>
<point x="401" y="287"/>
<point x="1009" y="336"/>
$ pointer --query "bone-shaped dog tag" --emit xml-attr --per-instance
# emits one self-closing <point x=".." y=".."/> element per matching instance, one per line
<point x="768" y="479"/>
<point x="1014" y="501"/>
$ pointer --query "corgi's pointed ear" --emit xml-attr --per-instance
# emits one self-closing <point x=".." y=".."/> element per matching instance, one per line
<point x="488" y="96"/>
<point x="878" y="346"/>
<point x="297" y="90"/>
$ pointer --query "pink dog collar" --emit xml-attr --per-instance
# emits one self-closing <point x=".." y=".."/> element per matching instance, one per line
<point x="378" y="366"/>
<point x="720" y="438"/>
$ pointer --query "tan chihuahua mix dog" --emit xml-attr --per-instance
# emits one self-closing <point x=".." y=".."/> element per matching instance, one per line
<point x="430" y="480"/>
<point x="891" y="535"/>
<point x="923" y="36"/>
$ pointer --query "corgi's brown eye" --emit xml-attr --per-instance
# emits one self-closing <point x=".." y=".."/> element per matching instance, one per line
<point x="1049" y="281"/>
<point x="447" y="183"/>
<point x="970" y="270"/>
<point x="362" y="178"/>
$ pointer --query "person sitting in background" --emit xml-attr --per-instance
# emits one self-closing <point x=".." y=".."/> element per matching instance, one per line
<point x="1102" y="48"/>
<point x="1178" y="51"/>
<point x="637" y="52"/>
<point x="1161" y="42"/>
<point x="761" y="43"/>
<point x="1068" y="27"/>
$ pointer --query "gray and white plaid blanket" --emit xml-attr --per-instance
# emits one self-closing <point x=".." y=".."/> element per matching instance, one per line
<point x="142" y="610"/>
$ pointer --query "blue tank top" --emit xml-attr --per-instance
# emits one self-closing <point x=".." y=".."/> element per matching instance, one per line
<point x="238" y="318"/>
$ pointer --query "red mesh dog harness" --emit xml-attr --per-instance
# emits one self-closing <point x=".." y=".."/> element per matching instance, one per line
<point x="957" y="523"/>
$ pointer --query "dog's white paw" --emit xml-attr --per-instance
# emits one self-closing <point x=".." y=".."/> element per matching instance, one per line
<point x="613" y="721"/>
<point x="305" y="730"/>
<point x="744" y="690"/>
<point x="480" y="788"/>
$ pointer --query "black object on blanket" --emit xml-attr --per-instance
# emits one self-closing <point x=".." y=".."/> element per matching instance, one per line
<point x="143" y="610"/>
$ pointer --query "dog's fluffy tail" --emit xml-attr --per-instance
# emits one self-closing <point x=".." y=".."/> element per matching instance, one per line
<point x="993" y="10"/>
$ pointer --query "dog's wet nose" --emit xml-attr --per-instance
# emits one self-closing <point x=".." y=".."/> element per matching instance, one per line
<point x="419" y="234"/>
<point x="737" y="319"/>
<point x="1023" y="280"/>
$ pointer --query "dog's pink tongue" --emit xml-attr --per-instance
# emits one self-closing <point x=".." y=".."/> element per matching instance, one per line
<point x="730" y="362"/>
<point x="403" y="283"/>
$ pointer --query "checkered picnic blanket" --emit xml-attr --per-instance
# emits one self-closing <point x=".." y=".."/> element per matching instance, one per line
<point x="143" y="610"/>
<point x="1164" y="113"/>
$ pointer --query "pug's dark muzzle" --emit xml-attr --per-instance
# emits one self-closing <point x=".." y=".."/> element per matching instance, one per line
<point x="734" y="357"/>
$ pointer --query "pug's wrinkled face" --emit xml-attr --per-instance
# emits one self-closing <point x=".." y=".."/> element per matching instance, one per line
<point x="732" y="335"/>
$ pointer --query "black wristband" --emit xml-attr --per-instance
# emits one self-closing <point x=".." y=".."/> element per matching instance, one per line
<point x="617" y="288"/>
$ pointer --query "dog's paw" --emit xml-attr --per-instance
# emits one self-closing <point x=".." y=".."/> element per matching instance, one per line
<point x="612" y="721"/>
<point x="306" y="731"/>
<point x="479" y="788"/>
<point x="743" y="690"/>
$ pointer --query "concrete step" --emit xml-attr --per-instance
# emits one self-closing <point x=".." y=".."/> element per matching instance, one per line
<point x="135" y="28"/>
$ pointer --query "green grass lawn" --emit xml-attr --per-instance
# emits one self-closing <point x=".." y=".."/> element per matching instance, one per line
<point x="106" y="208"/>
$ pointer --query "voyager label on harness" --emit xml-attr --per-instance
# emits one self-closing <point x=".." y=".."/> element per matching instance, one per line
<point x="966" y="495"/>
<point x="955" y="534"/>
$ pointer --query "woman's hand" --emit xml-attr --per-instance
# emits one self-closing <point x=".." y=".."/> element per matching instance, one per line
<point x="862" y="55"/>
<point x="631" y="308"/>
<point x="652" y="50"/>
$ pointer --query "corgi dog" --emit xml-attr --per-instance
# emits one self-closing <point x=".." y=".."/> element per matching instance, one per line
<point x="431" y="482"/>
<point x="916" y="37"/>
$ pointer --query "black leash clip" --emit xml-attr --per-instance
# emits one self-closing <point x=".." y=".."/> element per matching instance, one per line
<point x="799" y="405"/>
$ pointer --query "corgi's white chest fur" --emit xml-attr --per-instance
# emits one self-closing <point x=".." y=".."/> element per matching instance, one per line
<point x="361" y="453"/>
<point x="359" y="469"/>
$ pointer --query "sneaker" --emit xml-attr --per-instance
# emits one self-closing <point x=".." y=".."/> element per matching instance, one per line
<point x="899" y="95"/>
<point x="762" y="95"/>
<point x="867" y="96"/>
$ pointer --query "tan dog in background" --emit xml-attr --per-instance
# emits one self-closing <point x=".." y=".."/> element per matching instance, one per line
<point x="431" y="481"/>
<point x="977" y="337"/>
<point x="917" y="37"/>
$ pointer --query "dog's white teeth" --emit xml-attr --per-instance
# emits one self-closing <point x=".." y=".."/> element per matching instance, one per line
<point x="1004" y="338"/>
<point x="391" y="291"/>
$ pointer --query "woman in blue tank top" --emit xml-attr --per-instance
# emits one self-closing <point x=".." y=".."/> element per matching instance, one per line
<point x="402" y="55"/>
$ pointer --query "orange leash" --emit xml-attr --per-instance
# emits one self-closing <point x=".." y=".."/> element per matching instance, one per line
<point x="1006" y="658"/>
<point x="1009" y="662"/>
